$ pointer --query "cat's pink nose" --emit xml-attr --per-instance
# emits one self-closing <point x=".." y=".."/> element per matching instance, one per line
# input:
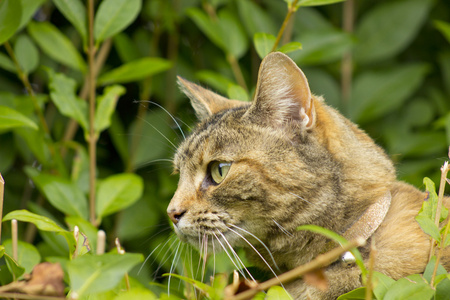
<point x="175" y="215"/>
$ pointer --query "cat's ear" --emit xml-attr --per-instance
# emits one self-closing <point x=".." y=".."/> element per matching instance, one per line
<point x="205" y="102"/>
<point x="282" y="93"/>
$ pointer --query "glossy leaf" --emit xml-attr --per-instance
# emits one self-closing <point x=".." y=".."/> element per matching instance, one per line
<point x="376" y="93"/>
<point x="413" y="287"/>
<point x="322" y="46"/>
<point x="75" y="12"/>
<point x="235" y="44"/>
<point x="255" y="19"/>
<point x="29" y="8"/>
<point x="10" y="118"/>
<point x="97" y="273"/>
<point x="26" y="53"/>
<point x="118" y="192"/>
<point x="237" y="92"/>
<point x="444" y="28"/>
<point x="113" y="16"/>
<point x="7" y="64"/>
<point x="56" y="45"/>
<point x="41" y="222"/>
<point x="290" y="47"/>
<point x="381" y="284"/>
<point x="389" y="28"/>
<point x="27" y="254"/>
<point x="61" y="193"/>
<point x="429" y="227"/>
<point x="62" y="93"/>
<point x="317" y="2"/>
<point x="15" y="269"/>
<point x="278" y="293"/>
<point x="263" y="43"/>
<point x="135" y="70"/>
<point x="357" y="294"/>
<point x="106" y="105"/>
<point x="10" y="14"/>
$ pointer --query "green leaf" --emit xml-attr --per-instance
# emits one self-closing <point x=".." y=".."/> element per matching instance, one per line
<point x="255" y="18"/>
<point x="357" y="294"/>
<point x="322" y="46"/>
<point x="125" y="47"/>
<point x="135" y="70"/>
<point x="237" y="92"/>
<point x="215" y="80"/>
<point x="56" y="45"/>
<point x="29" y="8"/>
<point x="26" y="53"/>
<point x="75" y="12"/>
<point x="412" y="287"/>
<point x="42" y="223"/>
<point x="290" y="47"/>
<point x="444" y="28"/>
<point x="337" y="238"/>
<point x="10" y="118"/>
<point x="61" y="193"/>
<point x="136" y="293"/>
<point x="316" y="2"/>
<point x="429" y="269"/>
<point x="27" y="254"/>
<point x="97" y="273"/>
<point x="13" y="267"/>
<point x="263" y="43"/>
<point x="62" y="92"/>
<point x="429" y="227"/>
<point x="381" y="284"/>
<point x="210" y="28"/>
<point x="208" y="290"/>
<point x="106" y="105"/>
<point x="113" y="16"/>
<point x="278" y="293"/>
<point x="86" y="228"/>
<point x="442" y="287"/>
<point x="7" y="64"/>
<point x="236" y="44"/>
<point x="389" y="28"/>
<point x="10" y="14"/>
<point x="118" y="192"/>
<point x="376" y="93"/>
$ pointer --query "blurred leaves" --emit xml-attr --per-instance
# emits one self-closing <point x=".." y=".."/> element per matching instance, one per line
<point x="10" y="14"/>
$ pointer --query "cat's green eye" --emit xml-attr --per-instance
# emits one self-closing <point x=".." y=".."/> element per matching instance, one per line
<point x="219" y="170"/>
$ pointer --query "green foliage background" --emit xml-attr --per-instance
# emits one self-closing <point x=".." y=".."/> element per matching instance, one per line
<point x="397" y="87"/>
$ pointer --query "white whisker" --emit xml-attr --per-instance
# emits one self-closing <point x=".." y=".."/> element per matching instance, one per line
<point x="236" y="256"/>
<point x="283" y="229"/>
<point x="176" y="257"/>
<point x="148" y="123"/>
<point x="178" y="125"/>
<point x="300" y="197"/>
<point x="225" y="250"/>
<point x="261" y="242"/>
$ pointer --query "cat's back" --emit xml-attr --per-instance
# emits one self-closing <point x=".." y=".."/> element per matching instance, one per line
<point x="402" y="246"/>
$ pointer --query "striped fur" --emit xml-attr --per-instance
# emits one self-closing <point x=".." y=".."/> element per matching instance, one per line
<point x="294" y="161"/>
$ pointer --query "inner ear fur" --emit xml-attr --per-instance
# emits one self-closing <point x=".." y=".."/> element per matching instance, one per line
<point x="205" y="102"/>
<point x="282" y="93"/>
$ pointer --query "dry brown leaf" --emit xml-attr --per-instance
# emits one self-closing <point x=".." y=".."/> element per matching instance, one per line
<point x="317" y="279"/>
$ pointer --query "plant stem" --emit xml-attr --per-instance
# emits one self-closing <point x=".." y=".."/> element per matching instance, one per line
<point x="369" y="285"/>
<point x="347" y="61"/>
<point x="444" y="171"/>
<point x="291" y="10"/>
<point x="101" y="241"/>
<point x="92" y="139"/>
<point x="100" y="59"/>
<point x="237" y="71"/>
<point x="14" y="233"/>
<point x="319" y="262"/>
<point x="2" y="192"/>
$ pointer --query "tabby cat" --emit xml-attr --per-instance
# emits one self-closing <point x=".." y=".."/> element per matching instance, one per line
<point x="251" y="173"/>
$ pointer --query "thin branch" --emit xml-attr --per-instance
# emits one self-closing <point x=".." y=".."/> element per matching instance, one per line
<point x="347" y="60"/>
<point x="319" y="262"/>
<point x="292" y="8"/>
<point x="14" y="233"/>
<point x="237" y="71"/>
<point x="369" y="285"/>
<point x="2" y="193"/>
<point x="444" y="171"/>
<point x="92" y="139"/>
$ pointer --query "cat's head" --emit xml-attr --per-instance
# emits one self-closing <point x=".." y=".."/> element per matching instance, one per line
<point x="257" y="169"/>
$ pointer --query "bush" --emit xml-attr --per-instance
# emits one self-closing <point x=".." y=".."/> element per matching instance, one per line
<point x="90" y="115"/>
